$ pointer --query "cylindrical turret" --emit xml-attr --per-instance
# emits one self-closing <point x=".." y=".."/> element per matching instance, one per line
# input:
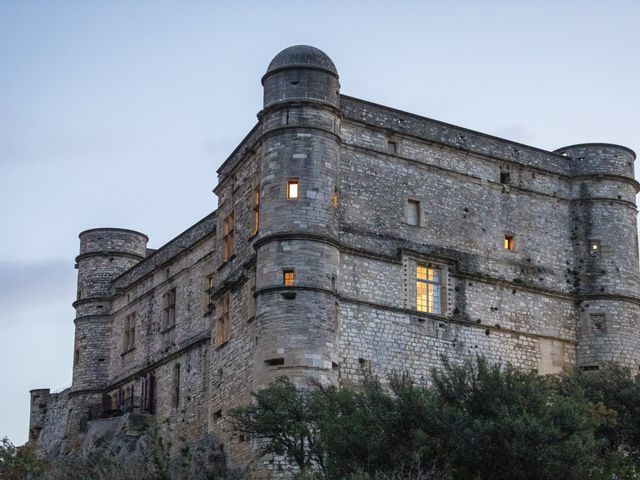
<point x="105" y="253"/>
<point x="38" y="412"/>
<point x="605" y="244"/>
<point x="297" y="252"/>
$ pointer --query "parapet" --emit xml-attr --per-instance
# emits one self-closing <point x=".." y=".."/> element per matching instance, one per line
<point x="113" y="241"/>
<point x="600" y="159"/>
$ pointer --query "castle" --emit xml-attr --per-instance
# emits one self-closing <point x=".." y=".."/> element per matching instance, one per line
<point x="350" y="234"/>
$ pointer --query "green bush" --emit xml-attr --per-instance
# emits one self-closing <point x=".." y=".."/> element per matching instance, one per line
<point x="474" y="421"/>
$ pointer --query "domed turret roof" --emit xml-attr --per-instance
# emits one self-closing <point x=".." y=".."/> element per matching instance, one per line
<point x="302" y="56"/>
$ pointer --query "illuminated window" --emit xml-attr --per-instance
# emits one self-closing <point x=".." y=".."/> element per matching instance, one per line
<point x="594" y="248"/>
<point x="292" y="188"/>
<point x="289" y="278"/>
<point x="129" y="332"/>
<point x="428" y="280"/>
<point x="169" y="309"/>
<point x="509" y="242"/>
<point x="256" y="209"/>
<point x="222" y="325"/>
<point x="335" y="197"/>
<point x="412" y="212"/>
<point x="228" y="227"/>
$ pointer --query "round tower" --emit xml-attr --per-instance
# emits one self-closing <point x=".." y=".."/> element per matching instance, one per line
<point x="297" y="250"/>
<point x="605" y="244"/>
<point x="105" y="253"/>
<point x="38" y="412"/>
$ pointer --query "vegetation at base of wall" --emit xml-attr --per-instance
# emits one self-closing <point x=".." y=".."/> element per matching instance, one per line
<point x="148" y="458"/>
<point x="474" y="421"/>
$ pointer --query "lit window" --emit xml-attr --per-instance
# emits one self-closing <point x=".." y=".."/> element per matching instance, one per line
<point x="335" y="197"/>
<point x="594" y="248"/>
<point x="256" y="209"/>
<point x="428" y="279"/>
<point x="292" y="188"/>
<point x="228" y="227"/>
<point x="412" y="212"/>
<point x="509" y="242"/>
<point x="222" y="325"/>
<point x="289" y="278"/>
<point x="169" y="309"/>
<point x="129" y="332"/>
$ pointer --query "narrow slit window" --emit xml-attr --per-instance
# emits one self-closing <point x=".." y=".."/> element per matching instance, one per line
<point x="292" y="188"/>
<point x="335" y="197"/>
<point x="222" y="325"/>
<point x="509" y="242"/>
<point x="169" y="309"/>
<point x="289" y="278"/>
<point x="428" y="291"/>
<point x="228" y="230"/>
<point x="412" y="212"/>
<point x="129" y="332"/>
<point x="256" y="209"/>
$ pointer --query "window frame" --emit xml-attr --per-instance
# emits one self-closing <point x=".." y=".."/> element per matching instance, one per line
<point x="413" y="203"/>
<point x="228" y="234"/>
<point x="222" y="333"/>
<point x="437" y="306"/>
<point x="169" y="309"/>
<point x="288" y="277"/>
<point x="129" y="337"/>
<point x="290" y="182"/>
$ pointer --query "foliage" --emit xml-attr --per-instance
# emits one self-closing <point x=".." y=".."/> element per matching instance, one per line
<point x="474" y="421"/>
<point x="19" y="463"/>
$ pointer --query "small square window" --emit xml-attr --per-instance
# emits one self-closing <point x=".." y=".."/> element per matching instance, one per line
<point x="594" y="248"/>
<point x="509" y="242"/>
<point x="505" y="177"/>
<point x="288" y="278"/>
<point x="392" y="147"/>
<point x="292" y="188"/>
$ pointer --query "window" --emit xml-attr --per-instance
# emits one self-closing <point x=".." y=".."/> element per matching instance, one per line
<point x="335" y="197"/>
<point x="428" y="280"/>
<point x="288" y="278"/>
<point x="129" y="332"/>
<point x="292" y="188"/>
<point x="598" y="322"/>
<point x="509" y="242"/>
<point x="222" y="326"/>
<point x="169" y="309"/>
<point x="228" y="226"/>
<point x="412" y="212"/>
<point x="392" y="147"/>
<point x="251" y="293"/>
<point x="256" y="209"/>
<point x="505" y="177"/>
<point x="594" y="248"/>
<point x="76" y="357"/>
<point x="175" y="400"/>
<point x="208" y="291"/>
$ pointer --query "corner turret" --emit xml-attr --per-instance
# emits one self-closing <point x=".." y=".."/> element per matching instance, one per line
<point x="297" y="248"/>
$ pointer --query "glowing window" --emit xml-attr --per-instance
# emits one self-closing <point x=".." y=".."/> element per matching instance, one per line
<point x="594" y="248"/>
<point x="289" y="278"/>
<point x="509" y="242"/>
<point x="335" y="197"/>
<point x="292" y="188"/>
<point x="428" y="280"/>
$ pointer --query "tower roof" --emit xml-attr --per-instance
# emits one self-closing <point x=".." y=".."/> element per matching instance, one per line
<point x="302" y="56"/>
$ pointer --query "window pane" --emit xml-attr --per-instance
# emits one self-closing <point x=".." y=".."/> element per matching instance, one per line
<point x="292" y="189"/>
<point x="421" y="296"/>
<point x="412" y="212"/>
<point x="421" y="273"/>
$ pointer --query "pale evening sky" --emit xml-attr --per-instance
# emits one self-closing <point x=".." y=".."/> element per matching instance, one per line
<point x="118" y="113"/>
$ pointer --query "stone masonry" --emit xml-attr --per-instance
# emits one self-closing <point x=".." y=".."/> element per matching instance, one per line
<point x="330" y="212"/>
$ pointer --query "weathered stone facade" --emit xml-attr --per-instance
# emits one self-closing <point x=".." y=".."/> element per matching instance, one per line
<point x="310" y="267"/>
